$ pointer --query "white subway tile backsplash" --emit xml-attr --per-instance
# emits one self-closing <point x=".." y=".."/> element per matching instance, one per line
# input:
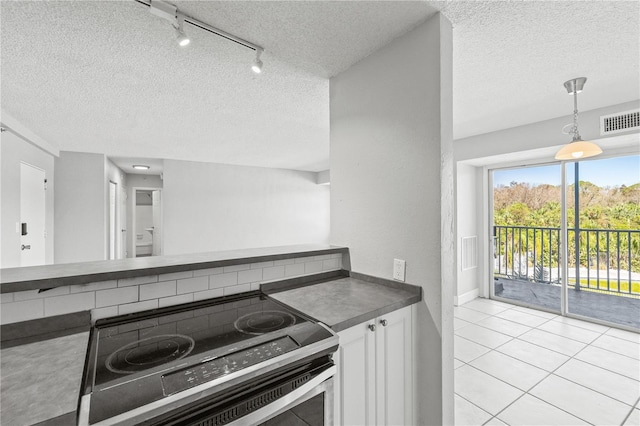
<point x="191" y="285"/>
<point x="273" y="273"/>
<point x="99" y="313"/>
<point x="209" y="294"/>
<point x="22" y="311"/>
<point x="241" y="288"/>
<point x="157" y="290"/>
<point x="175" y="276"/>
<point x="137" y="307"/>
<point x="331" y="264"/>
<point x="99" y="285"/>
<point x="175" y="300"/>
<point x="116" y="296"/>
<point x="236" y="268"/>
<point x="69" y="303"/>
<point x="209" y="271"/>
<point x="223" y="280"/>
<point x="111" y="298"/>
<point x="137" y="280"/>
<point x="249" y="276"/>
<point x="36" y="294"/>
<point x="261" y="265"/>
<point x="294" y="270"/>
<point x="313" y="267"/>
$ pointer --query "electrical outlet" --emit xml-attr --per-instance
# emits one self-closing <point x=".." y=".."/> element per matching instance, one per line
<point x="399" y="267"/>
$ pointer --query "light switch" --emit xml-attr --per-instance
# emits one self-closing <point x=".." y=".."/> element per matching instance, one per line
<point x="399" y="267"/>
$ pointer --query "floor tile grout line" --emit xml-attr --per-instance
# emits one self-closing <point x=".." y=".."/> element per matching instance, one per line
<point x="630" y="412"/>
<point x="474" y="404"/>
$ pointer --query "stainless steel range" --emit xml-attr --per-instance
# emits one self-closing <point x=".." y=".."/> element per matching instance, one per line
<point x="243" y="359"/>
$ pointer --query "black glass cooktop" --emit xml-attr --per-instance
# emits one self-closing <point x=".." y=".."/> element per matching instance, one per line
<point x="148" y="342"/>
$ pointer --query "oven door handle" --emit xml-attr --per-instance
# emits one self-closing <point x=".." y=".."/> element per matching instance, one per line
<point x="289" y="400"/>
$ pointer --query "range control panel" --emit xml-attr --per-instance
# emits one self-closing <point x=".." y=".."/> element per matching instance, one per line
<point x="209" y="370"/>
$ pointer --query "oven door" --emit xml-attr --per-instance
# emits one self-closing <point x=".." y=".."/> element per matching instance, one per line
<point x="288" y="396"/>
<point x="310" y="404"/>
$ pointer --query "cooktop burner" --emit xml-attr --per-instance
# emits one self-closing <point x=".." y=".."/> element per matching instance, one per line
<point x="149" y="352"/>
<point x="257" y="323"/>
<point x="139" y="344"/>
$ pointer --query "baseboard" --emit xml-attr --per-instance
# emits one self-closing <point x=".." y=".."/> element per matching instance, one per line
<point x="466" y="297"/>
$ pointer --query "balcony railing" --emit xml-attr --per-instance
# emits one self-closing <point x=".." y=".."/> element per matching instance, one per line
<point x="600" y="260"/>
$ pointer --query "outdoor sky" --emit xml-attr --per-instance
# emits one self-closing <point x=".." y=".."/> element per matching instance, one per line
<point x="605" y="172"/>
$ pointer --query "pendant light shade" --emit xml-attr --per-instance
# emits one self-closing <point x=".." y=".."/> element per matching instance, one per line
<point x="577" y="148"/>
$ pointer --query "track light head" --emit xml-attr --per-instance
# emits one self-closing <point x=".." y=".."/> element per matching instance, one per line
<point x="257" y="64"/>
<point x="182" y="38"/>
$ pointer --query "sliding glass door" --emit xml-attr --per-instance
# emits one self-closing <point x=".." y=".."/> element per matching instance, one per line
<point x="603" y="240"/>
<point x="598" y="275"/>
<point x="526" y="236"/>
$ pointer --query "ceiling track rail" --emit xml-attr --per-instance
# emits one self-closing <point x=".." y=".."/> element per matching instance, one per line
<point x="213" y="30"/>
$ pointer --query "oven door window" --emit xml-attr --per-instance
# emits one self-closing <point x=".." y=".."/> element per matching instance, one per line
<point x="308" y="413"/>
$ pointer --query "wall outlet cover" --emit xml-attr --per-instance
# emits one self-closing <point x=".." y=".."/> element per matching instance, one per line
<point x="399" y="267"/>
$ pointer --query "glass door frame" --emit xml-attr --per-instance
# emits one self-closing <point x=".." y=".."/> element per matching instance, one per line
<point x="564" y="234"/>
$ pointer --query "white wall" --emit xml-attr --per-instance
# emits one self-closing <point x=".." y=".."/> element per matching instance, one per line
<point x="210" y="207"/>
<point x="80" y="213"/>
<point x="467" y="225"/>
<point x="392" y="187"/>
<point x="13" y="150"/>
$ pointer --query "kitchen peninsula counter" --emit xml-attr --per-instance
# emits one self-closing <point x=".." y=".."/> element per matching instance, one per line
<point x="51" y="276"/>
<point x="345" y="302"/>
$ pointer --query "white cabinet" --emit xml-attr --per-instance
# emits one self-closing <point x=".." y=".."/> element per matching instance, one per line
<point x="374" y="383"/>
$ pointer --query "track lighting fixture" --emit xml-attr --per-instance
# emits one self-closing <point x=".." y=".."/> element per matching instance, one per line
<point x="177" y="19"/>
<point x="257" y="64"/>
<point x="181" y="36"/>
<point x="577" y="148"/>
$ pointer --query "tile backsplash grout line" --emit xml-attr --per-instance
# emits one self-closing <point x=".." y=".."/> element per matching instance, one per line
<point x="11" y="311"/>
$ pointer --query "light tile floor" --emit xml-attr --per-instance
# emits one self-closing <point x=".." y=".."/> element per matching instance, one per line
<point x="519" y="366"/>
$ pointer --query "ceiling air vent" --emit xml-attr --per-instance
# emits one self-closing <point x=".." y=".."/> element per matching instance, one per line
<point x="619" y="122"/>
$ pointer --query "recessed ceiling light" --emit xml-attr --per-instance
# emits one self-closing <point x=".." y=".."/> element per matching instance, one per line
<point x="141" y="167"/>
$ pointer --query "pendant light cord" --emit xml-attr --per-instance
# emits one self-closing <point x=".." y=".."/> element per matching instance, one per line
<point x="576" y="133"/>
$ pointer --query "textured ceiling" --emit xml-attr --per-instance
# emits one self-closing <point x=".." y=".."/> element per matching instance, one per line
<point x="106" y="76"/>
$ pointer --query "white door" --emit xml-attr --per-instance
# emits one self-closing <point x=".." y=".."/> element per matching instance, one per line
<point x="113" y="221"/>
<point x="122" y="243"/>
<point x="32" y="215"/>
<point x="157" y="222"/>
<point x="394" y="368"/>
<point x="356" y="379"/>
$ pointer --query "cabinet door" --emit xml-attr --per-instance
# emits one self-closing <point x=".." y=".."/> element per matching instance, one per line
<point x="355" y="381"/>
<point x="394" y="349"/>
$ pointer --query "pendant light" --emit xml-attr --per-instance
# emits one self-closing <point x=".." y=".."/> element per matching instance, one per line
<point x="577" y="148"/>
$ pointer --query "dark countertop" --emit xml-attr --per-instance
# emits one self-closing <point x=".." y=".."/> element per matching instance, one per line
<point x="50" y="276"/>
<point x="42" y="380"/>
<point x="346" y="302"/>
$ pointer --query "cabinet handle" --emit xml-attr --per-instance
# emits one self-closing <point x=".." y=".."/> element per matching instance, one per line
<point x="372" y="327"/>
<point x="383" y="322"/>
